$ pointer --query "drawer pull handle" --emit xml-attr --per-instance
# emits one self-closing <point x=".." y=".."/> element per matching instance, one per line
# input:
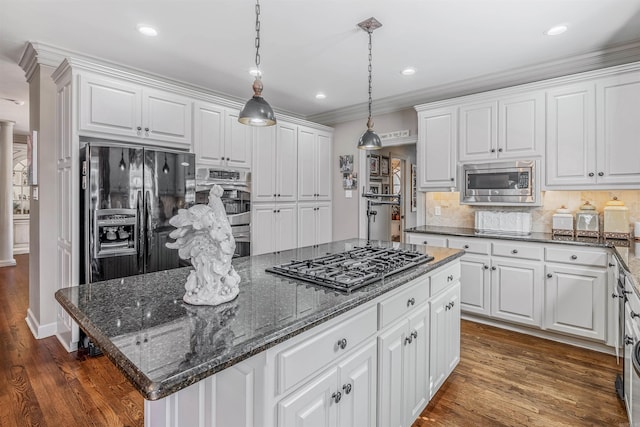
<point x="408" y="340"/>
<point x="466" y="246"/>
<point x="414" y="334"/>
<point x="342" y="344"/>
<point x="336" y="396"/>
<point x="411" y="301"/>
<point x="515" y="251"/>
<point x="346" y="388"/>
<point x="628" y="340"/>
<point x="611" y="264"/>
<point x="450" y="278"/>
<point x="634" y="314"/>
<point x="574" y="256"/>
<point x="614" y="295"/>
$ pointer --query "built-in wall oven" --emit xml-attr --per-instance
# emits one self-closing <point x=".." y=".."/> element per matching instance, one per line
<point x="236" y="200"/>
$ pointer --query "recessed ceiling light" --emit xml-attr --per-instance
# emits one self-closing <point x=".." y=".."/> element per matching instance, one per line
<point x="147" y="30"/>
<point x="320" y="95"/>
<point x="556" y="30"/>
<point x="409" y="71"/>
<point x="255" y="72"/>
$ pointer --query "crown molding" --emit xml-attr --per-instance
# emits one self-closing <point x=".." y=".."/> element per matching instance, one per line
<point x="609" y="57"/>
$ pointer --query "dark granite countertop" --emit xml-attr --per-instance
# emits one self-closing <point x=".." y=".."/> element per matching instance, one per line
<point x="164" y="345"/>
<point x="627" y="251"/>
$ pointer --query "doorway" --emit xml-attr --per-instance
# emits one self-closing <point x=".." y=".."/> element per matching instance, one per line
<point x="397" y="211"/>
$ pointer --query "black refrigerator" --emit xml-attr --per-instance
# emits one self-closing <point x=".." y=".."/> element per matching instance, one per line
<point x="128" y="195"/>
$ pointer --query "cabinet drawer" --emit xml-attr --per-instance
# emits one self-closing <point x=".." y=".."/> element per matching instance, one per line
<point x="403" y="302"/>
<point x="426" y="239"/>
<point x="577" y="256"/>
<point x="517" y="250"/>
<point x="469" y="245"/>
<point x="445" y="278"/>
<point x="320" y="351"/>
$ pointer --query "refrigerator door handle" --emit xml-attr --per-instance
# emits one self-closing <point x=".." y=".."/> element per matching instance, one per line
<point x="148" y="227"/>
<point x="141" y="232"/>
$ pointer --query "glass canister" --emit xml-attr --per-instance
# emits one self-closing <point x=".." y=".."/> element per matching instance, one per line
<point x="562" y="222"/>
<point x="587" y="221"/>
<point x="616" y="220"/>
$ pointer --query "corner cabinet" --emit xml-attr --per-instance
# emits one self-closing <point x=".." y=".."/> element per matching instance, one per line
<point x="109" y="107"/>
<point x="436" y="148"/>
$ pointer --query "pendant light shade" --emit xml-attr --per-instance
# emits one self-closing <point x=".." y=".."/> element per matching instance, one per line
<point x="369" y="139"/>
<point x="257" y="111"/>
<point x="122" y="164"/>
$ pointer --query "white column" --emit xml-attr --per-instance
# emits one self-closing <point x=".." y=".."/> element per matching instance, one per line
<point x="6" y="193"/>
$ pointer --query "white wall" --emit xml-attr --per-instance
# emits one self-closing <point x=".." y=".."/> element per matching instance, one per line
<point x="345" y="141"/>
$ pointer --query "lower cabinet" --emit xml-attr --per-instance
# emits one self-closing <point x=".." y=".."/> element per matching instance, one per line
<point x="516" y="291"/>
<point x="273" y="227"/>
<point x="445" y="336"/>
<point x="475" y="284"/>
<point x="343" y="396"/>
<point x="404" y="370"/>
<point x="314" y="223"/>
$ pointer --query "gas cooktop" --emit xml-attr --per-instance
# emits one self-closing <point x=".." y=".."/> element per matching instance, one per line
<point x="353" y="269"/>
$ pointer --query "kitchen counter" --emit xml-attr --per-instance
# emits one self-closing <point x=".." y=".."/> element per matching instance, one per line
<point x="626" y="251"/>
<point x="164" y="345"/>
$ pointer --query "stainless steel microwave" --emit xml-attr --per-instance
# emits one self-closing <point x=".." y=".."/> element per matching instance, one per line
<point x="509" y="183"/>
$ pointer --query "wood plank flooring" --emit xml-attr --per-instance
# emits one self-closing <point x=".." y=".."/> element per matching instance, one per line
<point x="503" y="379"/>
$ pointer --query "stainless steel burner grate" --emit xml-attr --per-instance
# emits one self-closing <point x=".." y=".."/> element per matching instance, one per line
<point x="350" y="270"/>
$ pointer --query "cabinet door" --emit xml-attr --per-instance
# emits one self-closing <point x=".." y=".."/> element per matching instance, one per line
<point x="475" y="282"/>
<point x="516" y="291"/>
<point x="110" y="106"/>
<point x="417" y="368"/>
<point x="263" y="230"/>
<point x="357" y="383"/>
<point x="286" y="227"/>
<point x="263" y="169"/>
<point x="571" y="143"/>
<point x="324" y="223"/>
<point x="237" y="142"/>
<point x="307" y="224"/>
<point x="521" y="126"/>
<point x="307" y="164"/>
<point x="478" y="131"/>
<point x="391" y="392"/>
<point x="311" y="406"/>
<point x="208" y="139"/>
<point x="324" y="168"/>
<point x="438" y="349"/>
<point x="436" y="148"/>
<point x="453" y="329"/>
<point x="166" y="117"/>
<point x="575" y="300"/>
<point x="286" y="162"/>
<point x="618" y="151"/>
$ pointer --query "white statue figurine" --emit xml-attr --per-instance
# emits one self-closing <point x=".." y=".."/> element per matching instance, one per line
<point x="203" y="234"/>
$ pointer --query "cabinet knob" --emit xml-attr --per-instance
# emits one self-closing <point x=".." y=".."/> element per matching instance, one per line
<point x="450" y="278"/>
<point x="549" y="275"/>
<point x="466" y="246"/>
<point x="493" y="268"/>
<point x="139" y="131"/>
<point x="146" y="131"/>
<point x="634" y="314"/>
<point x="452" y="179"/>
<point x="515" y="251"/>
<point x="278" y="194"/>
<point x="628" y="340"/>
<point x="346" y="388"/>
<point x="574" y="256"/>
<point x="411" y="301"/>
<point x="499" y="150"/>
<point x="600" y="173"/>
<point x="336" y="396"/>
<point x="591" y="174"/>
<point x="424" y="242"/>
<point x="414" y="334"/>
<point x="408" y="340"/>
<point x="611" y="264"/>
<point x="342" y="344"/>
<point x="278" y="210"/>
<point x="486" y="267"/>
<point x="493" y="150"/>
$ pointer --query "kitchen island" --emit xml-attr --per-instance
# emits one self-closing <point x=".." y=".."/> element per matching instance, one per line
<point x="254" y="360"/>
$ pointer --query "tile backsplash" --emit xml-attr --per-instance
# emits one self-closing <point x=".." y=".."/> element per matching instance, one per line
<point x="453" y="214"/>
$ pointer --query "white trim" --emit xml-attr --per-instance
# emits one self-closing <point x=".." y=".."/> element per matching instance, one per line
<point x="39" y="331"/>
<point x="8" y="262"/>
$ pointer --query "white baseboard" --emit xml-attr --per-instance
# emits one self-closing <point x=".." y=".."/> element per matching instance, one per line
<point x="8" y="262"/>
<point x="20" y="251"/>
<point x="39" y="331"/>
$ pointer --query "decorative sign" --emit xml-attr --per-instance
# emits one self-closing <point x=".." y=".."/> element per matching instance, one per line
<point x="394" y="134"/>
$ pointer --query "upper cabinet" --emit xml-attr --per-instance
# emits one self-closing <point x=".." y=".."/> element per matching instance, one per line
<point x="219" y="139"/>
<point x="274" y="172"/>
<point x="314" y="164"/>
<point x="436" y="148"/>
<point x="504" y="128"/>
<point x="110" y="107"/>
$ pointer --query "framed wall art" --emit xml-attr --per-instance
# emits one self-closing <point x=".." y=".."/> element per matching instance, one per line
<point x="374" y="165"/>
<point x="385" y="189"/>
<point x="374" y="188"/>
<point x="384" y="166"/>
<point x="346" y="163"/>
<point x="414" y="193"/>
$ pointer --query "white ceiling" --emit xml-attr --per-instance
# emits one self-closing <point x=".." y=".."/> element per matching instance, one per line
<point x="310" y="46"/>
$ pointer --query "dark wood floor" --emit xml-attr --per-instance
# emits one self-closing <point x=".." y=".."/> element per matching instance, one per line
<point x="504" y="379"/>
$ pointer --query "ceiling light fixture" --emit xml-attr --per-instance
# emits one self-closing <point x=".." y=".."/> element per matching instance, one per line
<point x="369" y="139"/>
<point x="257" y="111"/>
<point x="320" y="95"/>
<point x="165" y="168"/>
<point x="147" y="30"/>
<point x="409" y="71"/>
<point x="556" y="30"/>
<point x="122" y="164"/>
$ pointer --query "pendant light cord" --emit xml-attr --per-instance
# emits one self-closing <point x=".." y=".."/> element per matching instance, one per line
<point x="370" y="68"/>
<point x="258" y="38"/>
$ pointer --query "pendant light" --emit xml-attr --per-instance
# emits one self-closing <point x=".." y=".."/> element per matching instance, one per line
<point x="165" y="168"/>
<point x="257" y="111"/>
<point x="122" y="164"/>
<point x="369" y="139"/>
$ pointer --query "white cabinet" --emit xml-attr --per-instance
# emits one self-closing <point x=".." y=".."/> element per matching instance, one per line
<point x="571" y="135"/>
<point x="475" y="284"/>
<point x="314" y="164"/>
<point x="404" y="370"/>
<point x="618" y="127"/>
<point x="273" y="227"/>
<point x="426" y="239"/>
<point x="516" y="291"/>
<point x="445" y="336"/>
<point x="314" y="223"/>
<point x="274" y="167"/>
<point x="219" y="139"/>
<point x="436" y="148"/>
<point x="342" y="396"/>
<point x="115" y="107"/>
<point x="478" y="131"/>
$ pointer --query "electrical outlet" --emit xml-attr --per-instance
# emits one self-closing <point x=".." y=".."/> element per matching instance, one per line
<point x="438" y="210"/>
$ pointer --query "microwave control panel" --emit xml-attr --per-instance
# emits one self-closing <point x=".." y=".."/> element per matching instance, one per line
<point x="523" y="180"/>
